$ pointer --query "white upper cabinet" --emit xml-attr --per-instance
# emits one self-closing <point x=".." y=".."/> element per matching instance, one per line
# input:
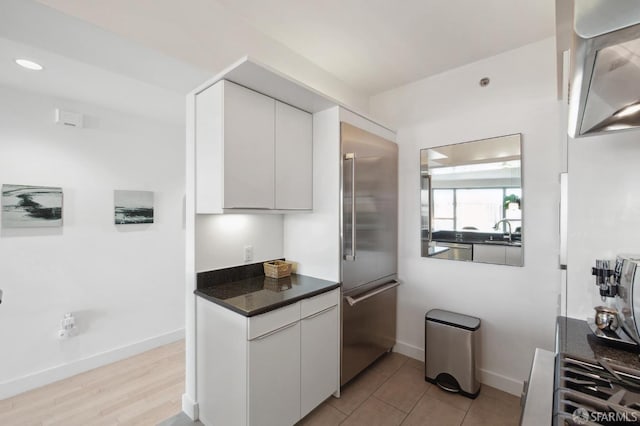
<point x="294" y="160"/>
<point x="249" y="148"/>
<point x="252" y="152"/>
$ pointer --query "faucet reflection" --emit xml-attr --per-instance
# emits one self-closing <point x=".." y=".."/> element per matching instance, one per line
<point x="497" y="226"/>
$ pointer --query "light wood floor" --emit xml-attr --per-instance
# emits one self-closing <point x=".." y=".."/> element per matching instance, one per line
<point x="142" y="390"/>
<point x="146" y="389"/>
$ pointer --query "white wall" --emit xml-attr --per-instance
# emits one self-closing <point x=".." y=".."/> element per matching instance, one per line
<point x="517" y="305"/>
<point x="79" y="57"/>
<point x="220" y="239"/>
<point x="313" y="239"/>
<point x="604" y="211"/>
<point x="124" y="284"/>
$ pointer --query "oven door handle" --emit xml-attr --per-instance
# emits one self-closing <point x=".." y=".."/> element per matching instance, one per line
<point x="353" y="301"/>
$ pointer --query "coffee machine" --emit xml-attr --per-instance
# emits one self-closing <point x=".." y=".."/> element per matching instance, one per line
<point x="621" y="283"/>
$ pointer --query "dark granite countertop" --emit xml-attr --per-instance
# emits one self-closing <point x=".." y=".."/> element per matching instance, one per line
<point x="575" y="338"/>
<point x="257" y="295"/>
<point x="475" y="237"/>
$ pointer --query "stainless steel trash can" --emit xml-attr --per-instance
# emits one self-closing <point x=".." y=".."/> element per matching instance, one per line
<point x="451" y="345"/>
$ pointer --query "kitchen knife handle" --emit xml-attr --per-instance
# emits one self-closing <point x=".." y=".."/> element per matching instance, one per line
<point x="352" y="156"/>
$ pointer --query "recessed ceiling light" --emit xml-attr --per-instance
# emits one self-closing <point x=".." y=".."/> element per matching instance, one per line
<point x="30" y="65"/>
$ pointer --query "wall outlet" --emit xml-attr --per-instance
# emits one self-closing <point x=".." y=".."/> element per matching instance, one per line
<point x="67" y="326"/>
<point x="248" y="253"/>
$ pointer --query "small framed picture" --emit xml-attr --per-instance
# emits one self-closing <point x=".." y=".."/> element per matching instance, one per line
<point x="26" y="206"/>
<point x="133" y="207"/>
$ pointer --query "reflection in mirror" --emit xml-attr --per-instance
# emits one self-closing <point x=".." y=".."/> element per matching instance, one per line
<point x="471" y="201"/>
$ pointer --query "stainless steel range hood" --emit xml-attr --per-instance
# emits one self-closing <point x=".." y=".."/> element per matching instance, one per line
<point x="605" y="67"/>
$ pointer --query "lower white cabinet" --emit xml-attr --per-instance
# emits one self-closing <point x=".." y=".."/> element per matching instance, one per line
<point x="269" y="369"/>
<point x="319" y="357"/>
<point x="274" y="377"/>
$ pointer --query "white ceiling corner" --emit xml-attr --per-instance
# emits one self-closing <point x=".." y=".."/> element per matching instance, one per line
<point x="376" y="45"/>
<point x="370" y="45"/>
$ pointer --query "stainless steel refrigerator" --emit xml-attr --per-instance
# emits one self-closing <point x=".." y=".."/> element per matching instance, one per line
<point x="369" y="248"/>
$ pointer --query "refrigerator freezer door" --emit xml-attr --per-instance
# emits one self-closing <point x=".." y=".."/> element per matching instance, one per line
<point x="370" y="208"/>
<point x="368" y="328"/>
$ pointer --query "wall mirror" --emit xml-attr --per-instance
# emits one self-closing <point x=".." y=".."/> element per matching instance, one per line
<point x="471" y="201"/>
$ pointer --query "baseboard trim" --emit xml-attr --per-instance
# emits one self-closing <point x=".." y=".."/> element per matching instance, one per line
<point x="504" y="383"/>
<point x="190" y="407"/>
<point x="35" y="380"/>
<point x="409" y="350"/>
<point x="489" y="378"/>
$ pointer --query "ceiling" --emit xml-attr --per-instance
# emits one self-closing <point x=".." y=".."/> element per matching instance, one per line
<point x="376" y="45"/>
<point x="108" y="71"/>
<point x="372" y="45"/>
<point x="70" y="79"/>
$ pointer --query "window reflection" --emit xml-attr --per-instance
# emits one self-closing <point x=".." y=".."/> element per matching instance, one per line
<point x="471" y="197"/>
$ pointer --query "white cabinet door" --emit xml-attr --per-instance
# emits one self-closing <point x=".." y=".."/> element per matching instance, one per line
<point x="320" y="362"/>
<point x="293" y="158"/>
<point x="249" y="146"/>
<point x="488" y="253"/>
<point x="274" y="377"/>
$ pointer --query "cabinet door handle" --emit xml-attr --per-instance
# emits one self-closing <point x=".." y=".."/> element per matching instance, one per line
<point x="352" y="156"/>
<point x="277" y="330"/>
<point x="320" y="313"/>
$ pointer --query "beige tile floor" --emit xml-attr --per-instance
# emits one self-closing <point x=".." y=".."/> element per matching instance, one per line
<point x="393" y="392"/>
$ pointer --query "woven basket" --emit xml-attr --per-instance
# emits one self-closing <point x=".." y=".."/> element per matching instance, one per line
<point x="277" y="269"/>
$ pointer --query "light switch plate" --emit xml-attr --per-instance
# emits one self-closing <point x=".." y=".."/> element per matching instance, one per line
<point x="248" y="253"/>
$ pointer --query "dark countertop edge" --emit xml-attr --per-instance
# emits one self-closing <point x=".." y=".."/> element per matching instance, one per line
<point x="268" y="308"/>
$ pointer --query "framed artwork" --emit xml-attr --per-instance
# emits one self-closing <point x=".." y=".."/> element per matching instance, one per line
<point x="133" y="207"/>
<point x="25" y="206"/>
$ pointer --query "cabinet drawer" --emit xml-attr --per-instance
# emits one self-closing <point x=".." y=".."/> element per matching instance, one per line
<point x="317" y="303"/>
<point x="265" y="323"/>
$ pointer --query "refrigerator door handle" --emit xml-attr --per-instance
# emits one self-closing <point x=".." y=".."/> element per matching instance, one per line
<point x="389" y="286"/>
<point x="352" y="156"/>
<point x="430" y="224"/>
